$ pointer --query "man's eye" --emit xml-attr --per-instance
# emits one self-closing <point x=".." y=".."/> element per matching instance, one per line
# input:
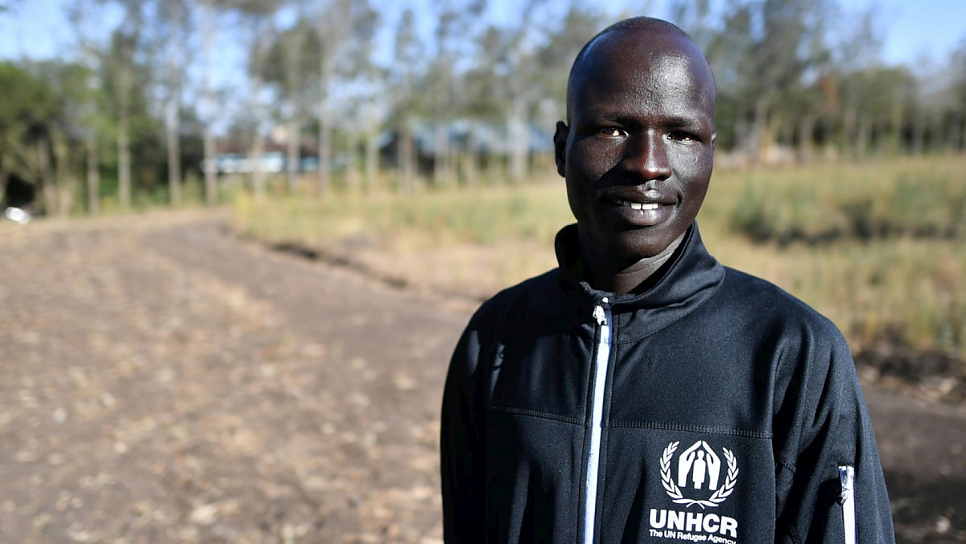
<point x="682" y="136"/>
<point x="611" y="132"/>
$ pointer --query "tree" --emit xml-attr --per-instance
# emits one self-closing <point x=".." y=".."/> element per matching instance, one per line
<point x="209" y="8"/>
<point x="856" y="51"/>
<point x="40" y="120"/>
<point x="558" y="53"/>
<point x="75" y="98"/>
<point x="345" y="29"/>
<point x="124" y="45"/>
<point x="294" y="90"/>
<point x="26" y="111"/>
<point x="519" y="66"/>
<point x="8" y="5"/>
<point x="172" y="25"/>
<point x="452" y="28"/>
<point x="761" y="58"/>
<point x="354" y="66"/>
<point x="95" y="112"/>
<point x="405" y="99"/>
<point x="290" y="58"/>
<point x="957" y="62"/>
<point x="258" y="17"/>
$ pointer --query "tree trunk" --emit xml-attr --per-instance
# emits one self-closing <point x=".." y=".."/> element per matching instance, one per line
<point x="64" y="191"/>
<point x="211" y="168"/>
<point x="848" y="129"/>
<point x="880" y="137"/>
<point x="49" y="190"/>
<point x="124" y="142"/>
<point x="895" y="126"/>
<point x="829" y="148"/>
<point x="123" y="165"/>
<point x="372" y="159"/>
<point x="292" y="153"/>
<point x="742" y="140"/>
<point x="352" y="168"/>
<point x="440" y="154"/>
<point x="294" y="83"/>
<point x="516" y="160"/>
<point x="258" y="145"/>
<point x="472" y="154"/>
<point x="406" y="161"/>
<point x="759" y="140"/>
<point x="258" y="170"/>
<point x="805" y="128"/>
<point x="785" y="131"/>
<point x="93" y="174"/>
<point x="172" y="130"/>
<point x="4" y="176"/>
<point x="325" y="151"/>
<point x="955" y="136"/>
<point x="862" y="138"/>
<point x="262" y="28"/>
<point x="940" y="139"/>
<point x="918" y="134"/>
<point x="208" y="103"/>
<point x="325" y="122"/>
<point x="452" y="164"/>
<point x="519" y="140"/>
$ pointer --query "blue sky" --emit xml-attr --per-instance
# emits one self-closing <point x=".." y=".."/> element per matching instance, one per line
<point x="912" y="30"/>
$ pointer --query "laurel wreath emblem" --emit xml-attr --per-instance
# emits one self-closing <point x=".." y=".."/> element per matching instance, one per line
<point x="674" y="491"/>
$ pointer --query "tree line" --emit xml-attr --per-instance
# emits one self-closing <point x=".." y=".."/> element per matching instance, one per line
<point x="140" y="109"/>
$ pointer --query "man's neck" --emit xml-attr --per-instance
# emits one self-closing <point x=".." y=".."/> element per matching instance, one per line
<point x="613" y="274"/>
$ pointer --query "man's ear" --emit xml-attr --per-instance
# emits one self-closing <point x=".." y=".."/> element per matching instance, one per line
<point x="560" y="147"/>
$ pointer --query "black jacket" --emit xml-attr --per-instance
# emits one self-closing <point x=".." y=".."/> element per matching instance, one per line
<point x="728" y="411"/>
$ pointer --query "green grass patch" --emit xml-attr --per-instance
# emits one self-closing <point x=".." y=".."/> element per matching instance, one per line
<point x="921" y="198"/>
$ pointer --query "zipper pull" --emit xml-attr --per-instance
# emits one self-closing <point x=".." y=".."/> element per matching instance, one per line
<point x="846" y="478"/>
<point x="599" y="314"/>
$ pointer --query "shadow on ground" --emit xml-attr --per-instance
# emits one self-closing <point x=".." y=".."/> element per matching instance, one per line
<point x="927" y="510"/>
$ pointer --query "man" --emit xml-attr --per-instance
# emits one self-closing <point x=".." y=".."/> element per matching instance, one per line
<point x="642" y="392"/>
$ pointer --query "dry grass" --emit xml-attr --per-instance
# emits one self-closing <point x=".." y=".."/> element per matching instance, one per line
<point x="469" y="241"/>
<point x="876" y="246"/>
<point x="904" y="283"/>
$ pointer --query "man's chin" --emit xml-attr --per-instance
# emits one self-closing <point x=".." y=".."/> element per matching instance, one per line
<point x="633" y="246"/>
<point x="628" y="246"/>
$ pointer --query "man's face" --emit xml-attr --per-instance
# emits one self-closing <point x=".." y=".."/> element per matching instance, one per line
<point x="637" y="155"/>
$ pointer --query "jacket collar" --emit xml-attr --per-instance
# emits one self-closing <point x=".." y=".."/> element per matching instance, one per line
<point x="688" y="280"/>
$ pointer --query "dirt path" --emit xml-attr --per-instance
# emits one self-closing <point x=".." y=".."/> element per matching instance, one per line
<point x="163" y="382"/>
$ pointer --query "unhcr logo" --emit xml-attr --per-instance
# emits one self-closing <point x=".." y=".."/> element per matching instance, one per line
<point x="693" y="526"/>
<point x="698" y="470"/>
<point x="698" y="476"/>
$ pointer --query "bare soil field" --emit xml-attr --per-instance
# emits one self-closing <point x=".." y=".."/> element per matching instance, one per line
<point x="164" y="381"/>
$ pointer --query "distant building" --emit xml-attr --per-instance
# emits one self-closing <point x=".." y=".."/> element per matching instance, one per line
<point x="484" y="139"/>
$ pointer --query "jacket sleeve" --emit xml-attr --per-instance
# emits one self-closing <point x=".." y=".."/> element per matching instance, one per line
<point x="462" y="444"/>
<point x="829" y="442"/>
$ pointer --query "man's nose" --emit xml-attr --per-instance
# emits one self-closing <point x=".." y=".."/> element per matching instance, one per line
<point x="646" y="156"/>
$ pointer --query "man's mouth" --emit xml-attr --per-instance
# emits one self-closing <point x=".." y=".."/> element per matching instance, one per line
<point x="637" y="205"/>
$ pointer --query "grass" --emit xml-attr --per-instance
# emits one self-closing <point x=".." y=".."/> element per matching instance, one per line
<point x="924" y="198"/>
<point x="878" y="247"/>
<point x="486" y="215"/>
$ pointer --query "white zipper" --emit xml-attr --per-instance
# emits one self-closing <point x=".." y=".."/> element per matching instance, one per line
<point x="847" y="499"/>
<point x="603" y="316"/>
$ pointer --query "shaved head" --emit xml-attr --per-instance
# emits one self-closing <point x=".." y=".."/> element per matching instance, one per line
<point x="655" y="34"/>
<point x="637" y="148"/>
